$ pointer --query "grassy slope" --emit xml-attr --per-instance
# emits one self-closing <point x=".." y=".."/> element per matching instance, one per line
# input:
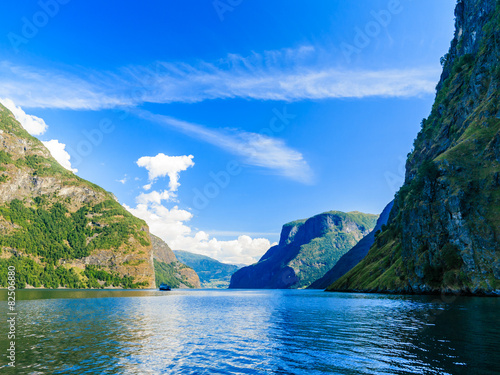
<point x="168" y="273"/>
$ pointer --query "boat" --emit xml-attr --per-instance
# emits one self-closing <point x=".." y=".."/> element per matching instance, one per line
<point x="165" y="287"/>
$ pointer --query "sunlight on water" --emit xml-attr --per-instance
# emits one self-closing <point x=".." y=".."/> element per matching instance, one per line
<point x="251" y="332"/>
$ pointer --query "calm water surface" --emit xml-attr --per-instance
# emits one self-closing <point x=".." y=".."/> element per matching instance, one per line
<point x="250" y="332"/>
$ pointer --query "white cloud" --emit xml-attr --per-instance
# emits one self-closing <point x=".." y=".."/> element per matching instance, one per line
<point x="256" y="149"/>
<point x="229" y="233"/>
<point x="58" y="151"/>
<point x="170" y="225"/>
<point x="163" y="165"/>
<point x="155" y="197"/>
<point x="243" y="250"/>
<point x="32" y="124"/>
<point x="163" y="222"/>
<point x="304" y="73"/>
<point x="123" y="180"/>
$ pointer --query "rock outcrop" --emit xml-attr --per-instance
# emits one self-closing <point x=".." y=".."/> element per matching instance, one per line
<point x="306" y="251"/>
<point x="444" y="231"/>
<point x="161" y="251"/>
<point x="350" y="259"/>
<point x="169" y="270"/>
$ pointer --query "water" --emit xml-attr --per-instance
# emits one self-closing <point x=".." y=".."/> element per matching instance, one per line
<point x="250" y="332"/>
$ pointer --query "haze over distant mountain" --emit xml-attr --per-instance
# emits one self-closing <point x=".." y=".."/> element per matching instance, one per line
<point x="212" y="273"/>
<point x="443" y="233"/>
<point x="307" y="250"/>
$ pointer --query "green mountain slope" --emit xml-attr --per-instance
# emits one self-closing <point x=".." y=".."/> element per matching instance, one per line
<point x="212" y="273"/>
<point x="444" y="230"/>
<point x="353" y="256"/>
<point x="307" y="250"/>
<point x="57" y="229"/>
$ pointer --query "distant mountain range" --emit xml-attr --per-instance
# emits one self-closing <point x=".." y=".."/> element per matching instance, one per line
<point x="307" y="250"/>
<point x="212" y="273"/>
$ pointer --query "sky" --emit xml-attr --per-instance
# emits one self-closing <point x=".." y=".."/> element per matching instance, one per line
<point x="219" y="121"/>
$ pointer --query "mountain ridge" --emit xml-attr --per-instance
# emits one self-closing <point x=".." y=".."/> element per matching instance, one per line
<point x="308" y="248"/>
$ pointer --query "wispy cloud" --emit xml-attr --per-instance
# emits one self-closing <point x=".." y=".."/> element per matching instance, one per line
<point x="255" y="149"/>
<point x="38" y="88"/>
<point x="289" y="75"/>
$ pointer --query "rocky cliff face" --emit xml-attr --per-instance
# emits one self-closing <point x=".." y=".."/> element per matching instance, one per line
<point x="350" y="259"/>
<point x="444" y="232"/>
<point x="307" y="250"/>
<point x="60" y="230"/>
<point x="169" y="269"/>
<point x="161" y="251"/>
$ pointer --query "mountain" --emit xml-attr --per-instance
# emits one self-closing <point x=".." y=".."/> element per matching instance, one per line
<point x="59" y="230"/>
<point x="306" y="251"/>
<point x="444" y="230"/>
<point x="213" y="274"/>
<point x="169" y="270"/>
<point x="353" y="256"/>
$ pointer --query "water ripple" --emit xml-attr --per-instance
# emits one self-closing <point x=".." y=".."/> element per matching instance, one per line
<point x="251" y="332"/>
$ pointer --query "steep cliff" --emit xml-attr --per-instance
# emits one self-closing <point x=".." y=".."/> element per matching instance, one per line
<point x="169" y="270"/>
<point x="213" y="274"/>
<point x="57" y="229"/>
<point x="306" y="251"/>
<point x="353" y="256"/>
<point x="444" y="230"/>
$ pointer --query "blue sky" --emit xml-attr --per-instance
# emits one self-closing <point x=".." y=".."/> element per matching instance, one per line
<point x="219" y="121"/>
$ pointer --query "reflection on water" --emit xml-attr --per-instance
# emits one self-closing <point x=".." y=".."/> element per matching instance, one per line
<point x="250" y="332"/>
